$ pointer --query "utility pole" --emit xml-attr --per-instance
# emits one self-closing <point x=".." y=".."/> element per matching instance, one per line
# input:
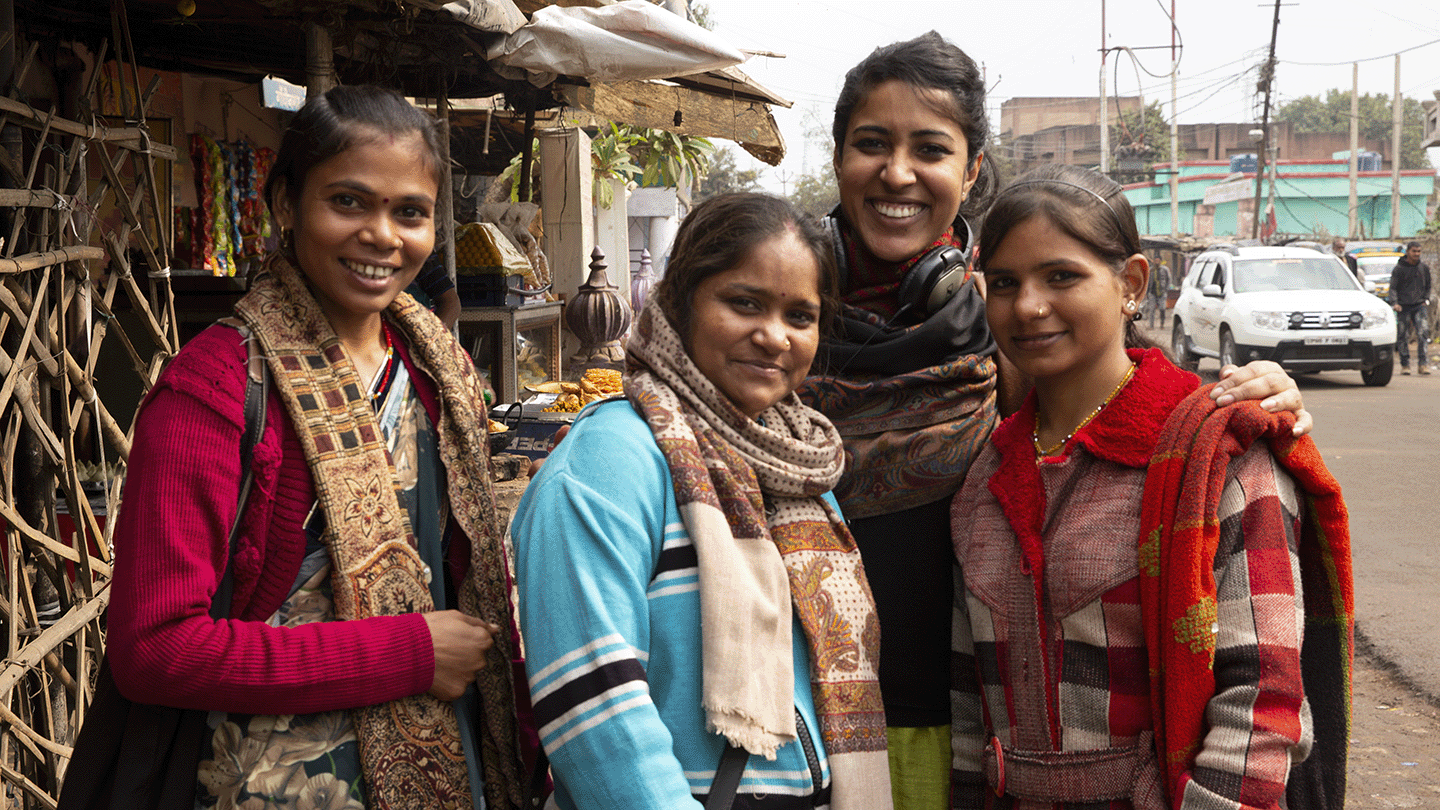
<point x="1174" y="133"/>
<point x="1267" y="80"/>
<point x="1104" y="102"/>
<point x="1397" y="105"/>
<point x="1354" y="152"/>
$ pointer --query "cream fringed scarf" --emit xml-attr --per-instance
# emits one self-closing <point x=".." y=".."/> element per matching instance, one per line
<point x="410" y="749"/>
<point x="749" y="493"/>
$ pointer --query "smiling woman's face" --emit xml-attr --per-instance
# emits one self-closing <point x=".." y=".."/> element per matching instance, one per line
<point x="903" y="170"/>
<point x="754" y="328"/>
<point x="364" y="223"/>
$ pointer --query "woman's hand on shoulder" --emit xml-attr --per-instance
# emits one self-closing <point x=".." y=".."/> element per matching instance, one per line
<point x="461" y="645"/>
<point x="1266" y="381"/>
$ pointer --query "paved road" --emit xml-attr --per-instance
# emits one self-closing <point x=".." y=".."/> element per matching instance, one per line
<point x="1383" y="446"/>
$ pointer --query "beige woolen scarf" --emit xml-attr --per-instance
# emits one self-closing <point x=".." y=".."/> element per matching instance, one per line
<point x="410" y="749"/>
<point x="749" y="493"/>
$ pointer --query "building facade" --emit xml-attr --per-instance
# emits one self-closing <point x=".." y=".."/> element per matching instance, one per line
<point x="1311" y="199"/>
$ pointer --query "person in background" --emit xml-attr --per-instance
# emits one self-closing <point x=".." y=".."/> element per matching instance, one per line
<point x="1160" y="283"/>
<point x="435" y="289"/>
<point x="911" y="379"/>
<point x="366" y="657"/>
<point x="1410" y="297"/>
<point x="1337" y="247"/>
<point x="693" y="605"/>
<point x="1130" y="625"/>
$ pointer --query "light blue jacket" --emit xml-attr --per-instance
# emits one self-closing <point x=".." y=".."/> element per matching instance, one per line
<point x="610" y="614"/>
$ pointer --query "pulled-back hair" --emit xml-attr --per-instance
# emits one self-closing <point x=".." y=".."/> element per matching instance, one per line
<point x="927" y="62"/>
<point x="336" y="120"/>
<point x="1083" y="204"/>
<point x="720" y="233"/>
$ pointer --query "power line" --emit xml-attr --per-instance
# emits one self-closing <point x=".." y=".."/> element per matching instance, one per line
<point x="1367" y="59"/>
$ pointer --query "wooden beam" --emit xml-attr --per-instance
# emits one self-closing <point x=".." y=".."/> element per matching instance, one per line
<point x="34" y="736"/>
<point x="131" y="138"/>
<point x="25" y="198"/>
<point x="44" y="799"/>
<point x="30" y="655"/>
<point x="45" y="541"/>
<point x="34" y="261"/>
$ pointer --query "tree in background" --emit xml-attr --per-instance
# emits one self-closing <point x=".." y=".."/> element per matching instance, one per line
<point x="725" y="176"/>
<point x="1311" y="114"/>
<point x="1138" y="142"/>
<point x="815" y="191"/>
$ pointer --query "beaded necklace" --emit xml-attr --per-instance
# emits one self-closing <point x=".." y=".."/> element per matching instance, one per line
<point x="386" y="374"/>
<point x="1042" y="452"/>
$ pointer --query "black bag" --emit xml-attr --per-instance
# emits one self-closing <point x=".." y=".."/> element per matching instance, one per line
<point x="135" y="756"/>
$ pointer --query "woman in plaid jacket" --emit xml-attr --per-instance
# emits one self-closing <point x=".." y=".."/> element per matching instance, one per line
<point x="1063" y="694"/>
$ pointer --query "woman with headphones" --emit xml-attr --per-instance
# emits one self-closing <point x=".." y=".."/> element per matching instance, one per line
<point x="912" y="379"/>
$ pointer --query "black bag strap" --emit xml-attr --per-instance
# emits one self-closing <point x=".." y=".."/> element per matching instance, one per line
<point x="727" y="777"/>
<point x="257" y="389"/>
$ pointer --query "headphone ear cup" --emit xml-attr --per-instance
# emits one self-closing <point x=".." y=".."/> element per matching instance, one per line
<point x="933" y="280"/>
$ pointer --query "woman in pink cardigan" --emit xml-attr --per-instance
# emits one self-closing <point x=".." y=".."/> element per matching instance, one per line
<point x="365" y="659"/>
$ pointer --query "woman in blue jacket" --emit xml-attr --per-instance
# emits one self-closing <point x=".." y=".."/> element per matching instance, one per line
<point x="689" y="590"/>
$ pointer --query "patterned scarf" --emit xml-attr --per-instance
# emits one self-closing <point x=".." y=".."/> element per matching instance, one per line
<point x="1177" y="597"/>
<point x="749" y="494"/>
<point x="410" y="748"/>
<point x="910" y="434"/>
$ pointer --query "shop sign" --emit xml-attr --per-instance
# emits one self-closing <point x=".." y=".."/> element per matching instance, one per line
<point x="278" y="94"/>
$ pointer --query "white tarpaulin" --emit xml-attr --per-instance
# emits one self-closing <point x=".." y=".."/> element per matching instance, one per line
<point x="491" y="16"/>
<point x="628" y="41"/>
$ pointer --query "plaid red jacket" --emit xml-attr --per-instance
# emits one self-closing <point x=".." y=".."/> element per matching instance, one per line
<point x="1051" y="666"/>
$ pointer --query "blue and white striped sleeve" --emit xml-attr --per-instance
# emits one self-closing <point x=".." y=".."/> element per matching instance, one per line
<point x="588" y="538"/>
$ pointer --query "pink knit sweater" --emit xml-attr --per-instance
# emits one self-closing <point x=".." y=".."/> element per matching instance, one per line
<point x="170" y="549"/>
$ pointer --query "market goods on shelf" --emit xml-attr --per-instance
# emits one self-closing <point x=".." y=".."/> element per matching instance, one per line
<point x="598" y="383"/>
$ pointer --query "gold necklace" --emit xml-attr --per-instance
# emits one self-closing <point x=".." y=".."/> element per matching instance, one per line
<point x="1042" y="452"/>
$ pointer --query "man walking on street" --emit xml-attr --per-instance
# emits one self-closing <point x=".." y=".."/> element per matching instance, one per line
<point x="1410" y="295"/>
<point x="1338" y="248"/>
<point x="1159" y="295"/>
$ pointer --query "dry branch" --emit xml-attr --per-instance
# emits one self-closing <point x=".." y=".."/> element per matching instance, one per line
<point x="30" y="655"/>
<point x="34" y="261"/>
<point x="131" y="138"/>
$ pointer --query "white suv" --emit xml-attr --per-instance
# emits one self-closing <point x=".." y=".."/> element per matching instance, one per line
<point x="1300" y="307"/>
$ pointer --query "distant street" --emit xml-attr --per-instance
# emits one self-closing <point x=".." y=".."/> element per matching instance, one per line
<point x="1383" y="447"/>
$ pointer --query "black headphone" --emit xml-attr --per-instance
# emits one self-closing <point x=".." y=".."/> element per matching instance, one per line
<point x="933" y="281"/>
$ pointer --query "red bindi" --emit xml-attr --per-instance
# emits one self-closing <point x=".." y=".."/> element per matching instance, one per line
<point x="387" y="199"/>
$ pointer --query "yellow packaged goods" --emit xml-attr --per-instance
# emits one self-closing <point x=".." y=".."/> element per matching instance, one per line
<point x="481" y="247"/>
<point x="598" y="383"/>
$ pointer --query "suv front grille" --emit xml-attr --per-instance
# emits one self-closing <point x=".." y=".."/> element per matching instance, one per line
<point x="1338" y="319"/>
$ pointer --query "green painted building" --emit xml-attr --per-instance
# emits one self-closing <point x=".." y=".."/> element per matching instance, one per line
<point x="1312" y="198"/>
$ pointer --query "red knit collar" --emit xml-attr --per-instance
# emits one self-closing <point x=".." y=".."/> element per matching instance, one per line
<point x="1124" y="432"/>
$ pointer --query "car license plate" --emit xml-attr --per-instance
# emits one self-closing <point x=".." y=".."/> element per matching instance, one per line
<point x="1326" y="341"/>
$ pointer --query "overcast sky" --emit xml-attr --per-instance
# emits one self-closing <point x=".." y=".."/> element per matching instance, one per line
<point x="1051" y="48"/>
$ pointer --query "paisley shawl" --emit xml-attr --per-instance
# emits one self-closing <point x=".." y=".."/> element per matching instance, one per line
<point x="411" y="754"/>
<point x="750" y="493"/>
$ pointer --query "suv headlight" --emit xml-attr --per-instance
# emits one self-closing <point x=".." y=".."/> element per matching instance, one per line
<point x="1375" y="317"/>
<point x="1274" y="321"/>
